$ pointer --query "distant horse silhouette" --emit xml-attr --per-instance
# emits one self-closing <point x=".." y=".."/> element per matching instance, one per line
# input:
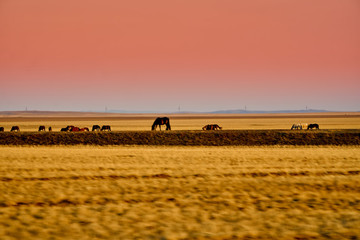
<point x="15" y="128"/>
<point x="1" y="129"/>
<point x="212" y="127"/>
<point x="84" y="129"/>
<point x="105" y="128"/>
<point x="313" y="125"/>
<point x="161" y="121"/>
<point x="75" y="129"/>
<point x="50" y="129"/>
<point x="67" y="129"/>
<point x="42" y="128"/>
<point x="95" y="128"/>
<point x="296" y="126"/>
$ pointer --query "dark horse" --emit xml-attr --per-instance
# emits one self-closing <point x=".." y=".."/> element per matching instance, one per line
<point x="1" y="129"/>
<point x="313" y="125"/>
<point x="15" y="128"/>
<point x="211" y="127"/>
<point x="96" y="128"/>
<point x="105" y="128"/>
<point x="42" y="128"/>
<point x="67" y="129"/>
<point x="161" y="121"/>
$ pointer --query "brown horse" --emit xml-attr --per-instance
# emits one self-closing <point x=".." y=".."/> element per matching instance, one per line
<point x="42" y="128"/>
<point x="15" y="128"/>
<point x="212" y="127"/>
<point x="161" y="121"/>
<point x="75" y="129"/>
<point x="85" y="129"/>
<point x="106" y="128"/>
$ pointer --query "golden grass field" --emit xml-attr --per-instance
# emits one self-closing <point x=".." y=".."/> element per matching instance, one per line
<point x="143" y="192"/>
<point x="180" y="192"/>
<point x="143" y="122"/>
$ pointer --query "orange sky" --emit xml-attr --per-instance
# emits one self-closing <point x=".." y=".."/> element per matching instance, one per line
<point x="201" y="54"/>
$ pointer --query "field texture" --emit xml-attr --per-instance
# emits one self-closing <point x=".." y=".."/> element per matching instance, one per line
<point x="174" y="192"/>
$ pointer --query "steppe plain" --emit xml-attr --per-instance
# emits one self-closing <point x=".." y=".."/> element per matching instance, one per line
<point x="180" y="192"/>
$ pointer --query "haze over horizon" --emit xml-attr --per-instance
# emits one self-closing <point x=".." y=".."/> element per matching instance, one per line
<point x="201" y="55"/>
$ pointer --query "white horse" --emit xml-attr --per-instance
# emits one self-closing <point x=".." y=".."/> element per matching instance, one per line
<point x="299" y="126"/>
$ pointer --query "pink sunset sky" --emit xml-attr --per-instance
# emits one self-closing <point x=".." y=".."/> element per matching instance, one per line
<point x="203" y="55"/>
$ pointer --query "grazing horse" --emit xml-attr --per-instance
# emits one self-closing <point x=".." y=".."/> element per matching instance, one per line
<point x="296" y="126"/>
<point x="212" y="127"/>
<point x="50" y="129"/>
<point x="67" y="129"/>
<point x="161" y="121"/>
<point x="96" y="128"/>
<point x="84" y="129"/>
<point x="313" y="125"/>
<point x="75" y="129"/>
<point x="1" y="129"/>
<point x="105" y="128"/>
<point x="15" y="128"/>
<point x="42" y="128"/>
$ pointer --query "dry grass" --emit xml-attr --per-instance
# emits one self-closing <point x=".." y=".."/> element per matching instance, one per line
<point x="138" y="192"/>
<point x="136" y="122"/>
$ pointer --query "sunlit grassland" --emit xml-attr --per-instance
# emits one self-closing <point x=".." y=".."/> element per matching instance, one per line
<point x="144" y="124"/>
<point x="158" y="192"/>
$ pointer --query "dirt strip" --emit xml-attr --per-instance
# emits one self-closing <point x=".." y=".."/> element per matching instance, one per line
<point x="187" y="138"/>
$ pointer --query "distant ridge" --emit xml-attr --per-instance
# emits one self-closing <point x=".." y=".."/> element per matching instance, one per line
<point x="274" y="111"/>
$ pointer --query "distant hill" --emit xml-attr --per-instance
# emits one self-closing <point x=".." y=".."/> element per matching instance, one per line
<point x="275" y="111"/>
<point x="237" y="111"/>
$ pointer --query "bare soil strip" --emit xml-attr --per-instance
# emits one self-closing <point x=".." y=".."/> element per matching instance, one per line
<point x="187" y="138"/>
<point x="167" y="176"/>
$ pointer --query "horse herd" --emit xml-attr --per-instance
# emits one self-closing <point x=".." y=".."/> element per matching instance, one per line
<point x="300" y="126"/>
<point x="157" y="123"/>
<point x="85" y="129"/>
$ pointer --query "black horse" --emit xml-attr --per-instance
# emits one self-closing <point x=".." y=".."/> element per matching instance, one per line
<point x="313" y="125"/>
<point x="15" y="128"/>
<point x="96" y="128"/>
<point x="1" y="129"/>
<point x="161" y="121"/>
<point x="41" y="128"/>
<point x="67" y="129"/>
<point x="105" y="128"/>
